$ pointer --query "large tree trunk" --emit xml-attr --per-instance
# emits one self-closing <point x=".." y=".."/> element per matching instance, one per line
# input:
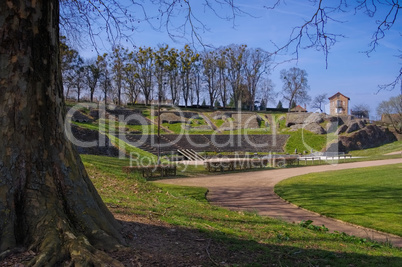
<point x="47" y="202"/>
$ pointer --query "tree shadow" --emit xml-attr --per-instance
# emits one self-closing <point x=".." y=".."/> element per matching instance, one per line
<point x="155" y="243"/>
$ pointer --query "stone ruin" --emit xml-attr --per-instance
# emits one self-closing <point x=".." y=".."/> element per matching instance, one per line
<point x="353" y="134"/>
<point x="237" y="120"/>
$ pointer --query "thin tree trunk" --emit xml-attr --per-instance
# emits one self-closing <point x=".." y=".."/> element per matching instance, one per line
<point x="47" y="202"/>
<point x="78" y="93"/>
<point x="106" y="94"/>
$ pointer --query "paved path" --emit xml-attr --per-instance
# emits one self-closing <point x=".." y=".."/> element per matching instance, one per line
<point x="254" y="191"/>
<point x="395" y="153"/>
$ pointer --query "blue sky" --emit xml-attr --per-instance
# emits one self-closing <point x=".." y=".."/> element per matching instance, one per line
<point x="350" y="71"/>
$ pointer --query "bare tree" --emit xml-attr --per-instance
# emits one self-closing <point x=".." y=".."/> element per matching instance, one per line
<point x="319" y="101"/>
<point x="361" y="111"/>
<point x="117" y="61"/>
<point x="391" y="111"/>
<point x="235" y="68"/>
<point x="105" y="81"/>
<point x="161" y="62"/>
<point x="188" y="58"/>
<point x="70" y="61"/>
<point x="144" y="61"/>
<point x="257" y="64"/>
<point x="222" y="77"/>
<point x="266" y="92"/>
<point x="133" y="87"/>
<point x="78" y="81"/>
<point x="92" y="77"/>
<point x="173" y="75"/>
<point x="196" y="77"/>
<point x="210" y="66"/>
<point x="295" y="86"/>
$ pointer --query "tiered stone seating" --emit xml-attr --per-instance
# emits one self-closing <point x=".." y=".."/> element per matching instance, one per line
<point x="88" y="142"/>
<point x="79" y="116"/>
<point x="135" y="140"/>
<point x="167" y="146"/>
<point x="199" y="143"/>
<point x="196" y="142"/>
<point x="177" y="140"/>
<point x="219" y="143"/>
<point x="132" y="117"/>
<point x="250" y="143"/>
<point x="273" y="143"/>
<point x="227" y="143"/>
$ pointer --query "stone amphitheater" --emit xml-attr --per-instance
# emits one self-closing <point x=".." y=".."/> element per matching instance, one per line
<point x="348" y="129"/>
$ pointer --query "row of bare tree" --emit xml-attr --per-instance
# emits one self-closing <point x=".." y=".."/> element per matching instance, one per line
<point x="233" y="75"/>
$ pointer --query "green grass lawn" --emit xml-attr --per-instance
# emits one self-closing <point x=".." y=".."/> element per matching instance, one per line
<point x="252" y="239"/>
<point x="303" y="140"/>
<point x="137" y="155"/>
<point x="371" y="197"/>
<point x="115" y="127"/>
<point x="381" y="150"/>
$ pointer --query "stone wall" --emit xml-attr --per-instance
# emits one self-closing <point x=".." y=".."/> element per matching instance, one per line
<point x="86" y="135"/>
<point x="318" y="123"/>
<point x="368" y="137"/>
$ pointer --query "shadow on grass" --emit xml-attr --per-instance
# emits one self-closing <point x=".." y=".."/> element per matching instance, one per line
<point x="376" y="207"/>
<point x="157" y="243"/>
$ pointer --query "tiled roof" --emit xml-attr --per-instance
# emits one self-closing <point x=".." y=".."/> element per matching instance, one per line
<point x="337" y="95"/>
<point x="298" y="108"/>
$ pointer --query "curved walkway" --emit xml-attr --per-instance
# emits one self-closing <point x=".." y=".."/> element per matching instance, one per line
<point x="254" y="191"/>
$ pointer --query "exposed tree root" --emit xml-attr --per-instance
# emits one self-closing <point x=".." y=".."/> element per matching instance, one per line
<point x="75" y="251"/>
<point x="9" y="252"/>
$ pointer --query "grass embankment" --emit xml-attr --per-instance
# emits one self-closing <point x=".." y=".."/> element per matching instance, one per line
<point x="303" y="140"/>
<point x="381" y="150"/>
<point x="116" y="127"/>
<point x="370" y="197"/>
<point x="250" y="239"/>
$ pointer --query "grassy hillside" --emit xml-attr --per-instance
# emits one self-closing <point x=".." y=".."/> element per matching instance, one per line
<point x="303" y="140"/>
<point x="381" y="150"/>
<point x="235" y="238"/>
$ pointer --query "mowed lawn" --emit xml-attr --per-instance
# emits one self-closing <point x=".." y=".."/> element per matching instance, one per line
<point x="233" y="238"/>
<point x="371" y="197"/>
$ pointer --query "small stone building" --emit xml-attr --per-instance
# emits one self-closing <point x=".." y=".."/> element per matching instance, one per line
<point x="339" y="104"/>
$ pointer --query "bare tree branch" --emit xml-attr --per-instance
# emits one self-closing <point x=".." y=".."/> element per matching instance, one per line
<point x="385" y="24"/>
<point x="313" y="33"/>
<point x="391" y="86"/>
<point x="116" y="20"/>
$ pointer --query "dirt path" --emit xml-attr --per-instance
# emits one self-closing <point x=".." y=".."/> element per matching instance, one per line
<point x="254" y="191"/>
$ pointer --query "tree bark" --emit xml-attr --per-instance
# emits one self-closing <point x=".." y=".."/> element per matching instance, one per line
<point x="47" y="202"/>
